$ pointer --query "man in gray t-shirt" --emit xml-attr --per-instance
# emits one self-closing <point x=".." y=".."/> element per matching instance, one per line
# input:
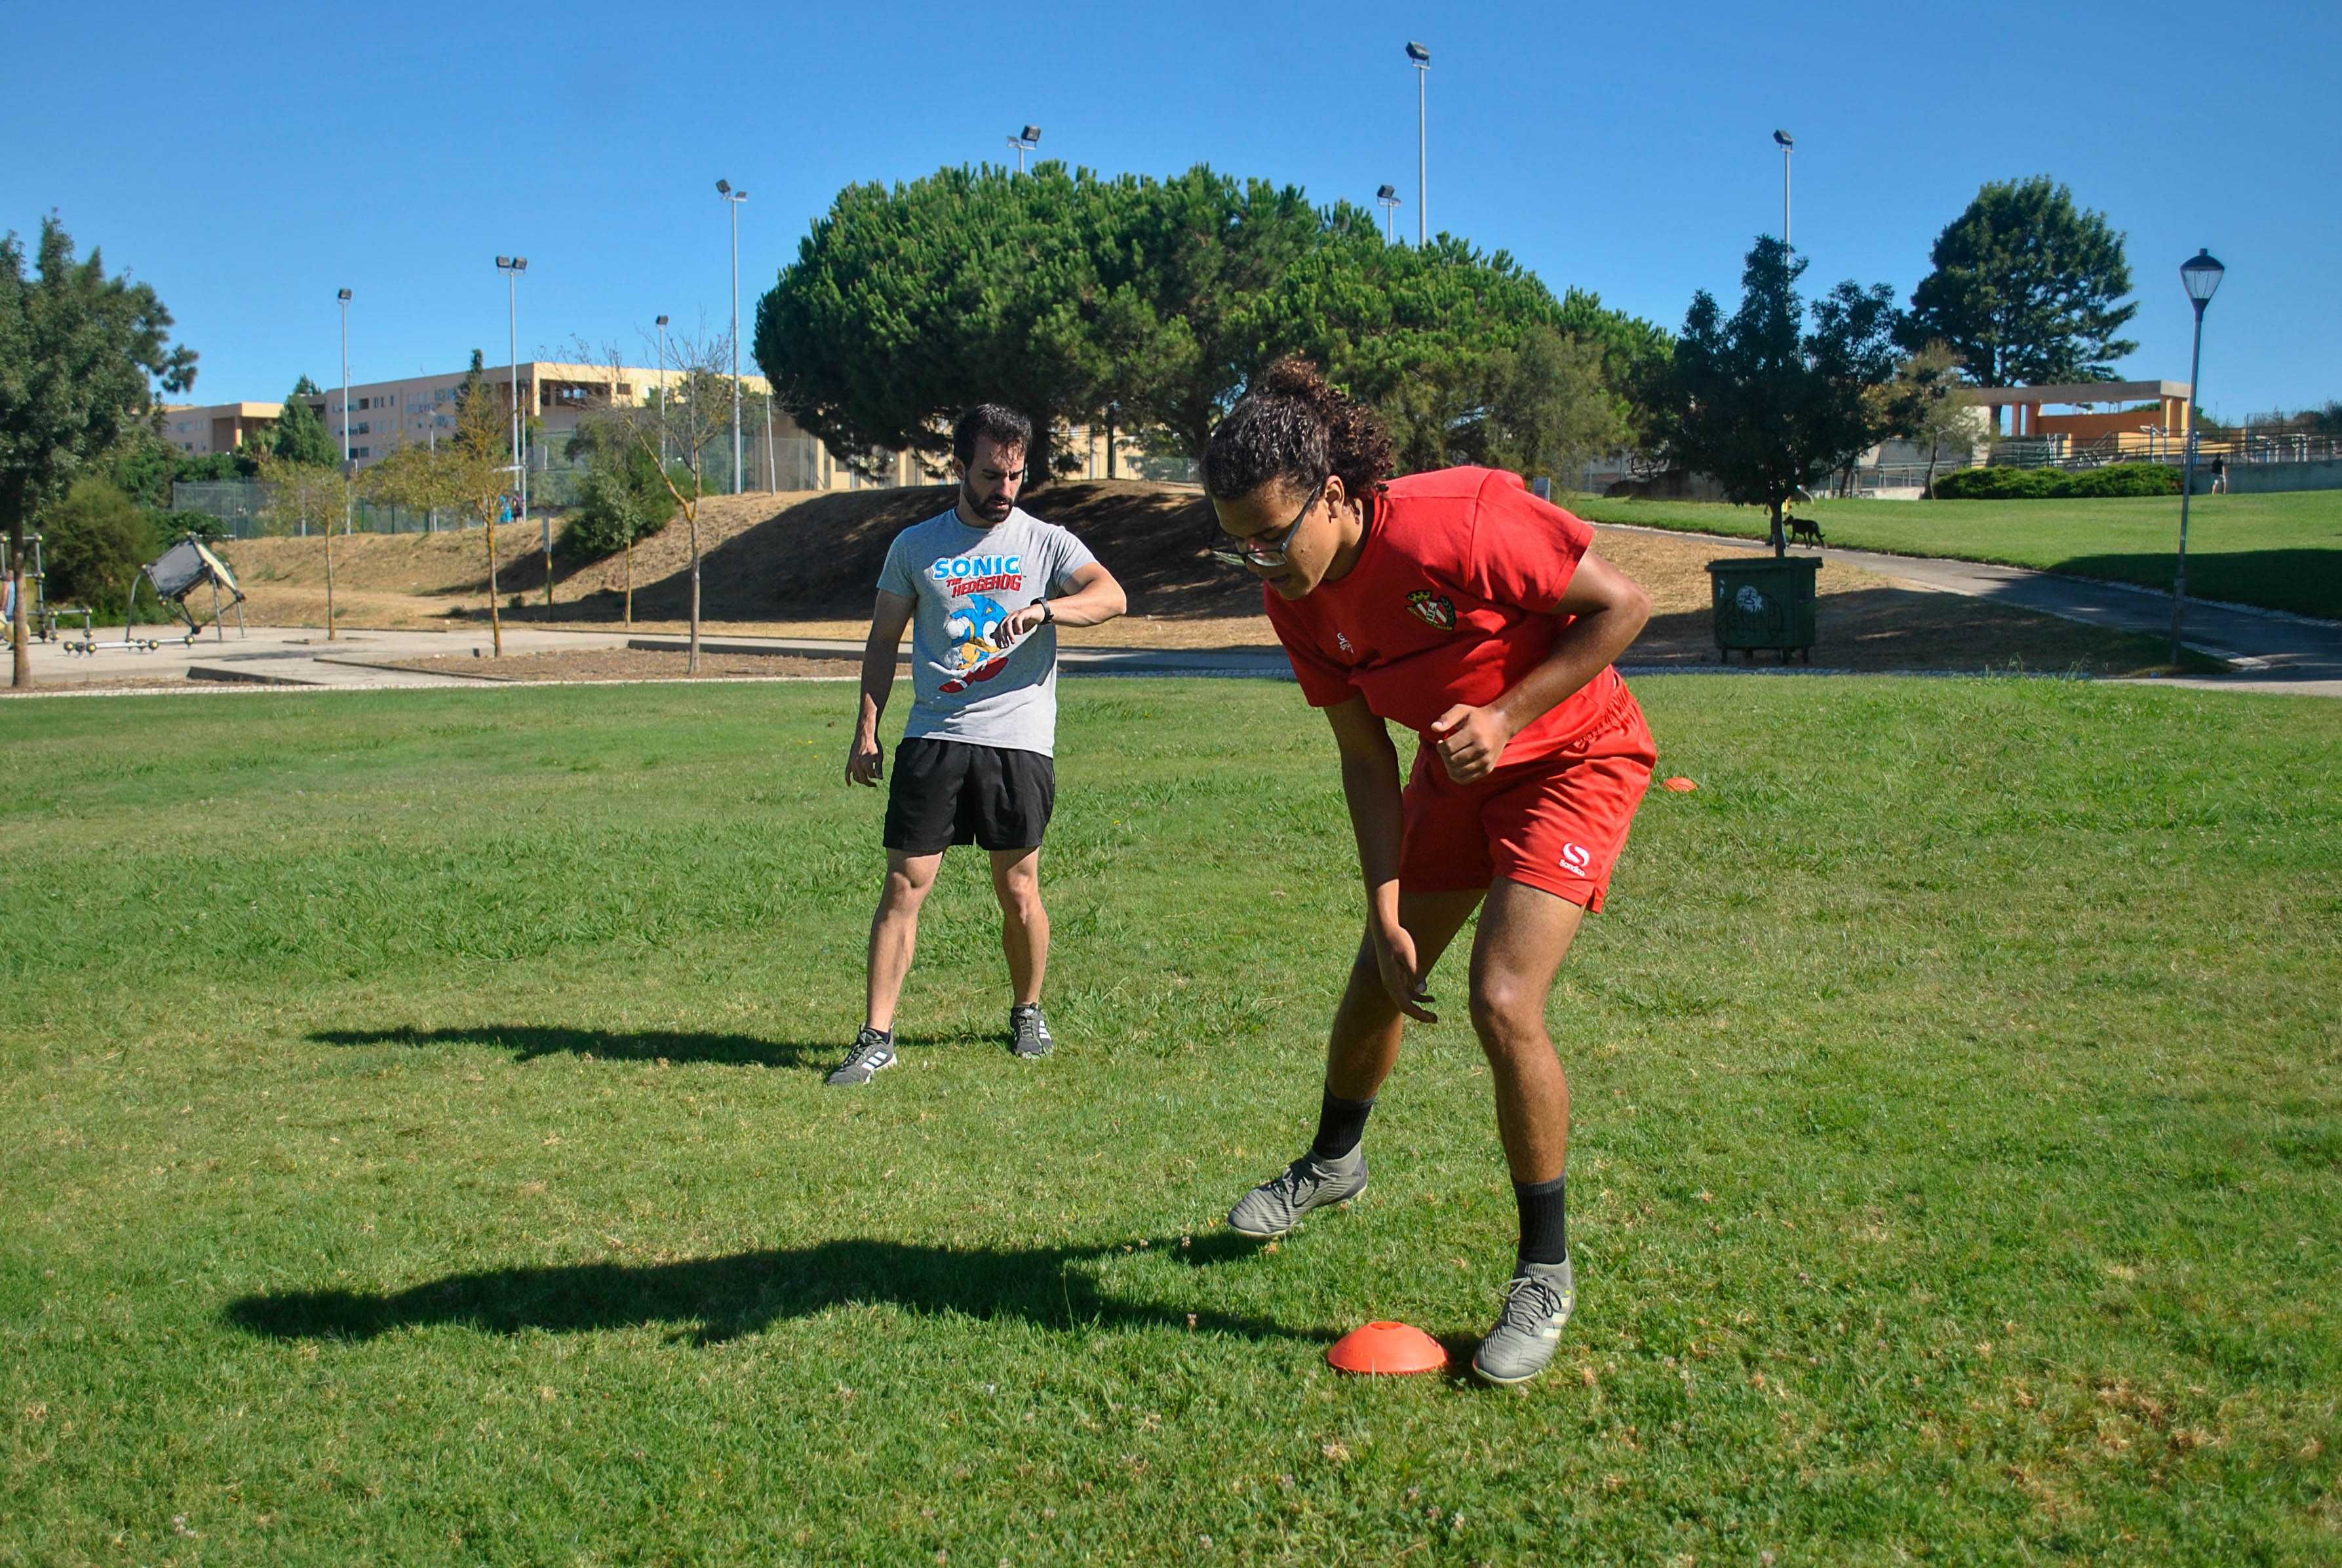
<point x="984" y="586"/>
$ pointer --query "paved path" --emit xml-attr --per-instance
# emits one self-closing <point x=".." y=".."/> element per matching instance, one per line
<point x="2273" y="652"/>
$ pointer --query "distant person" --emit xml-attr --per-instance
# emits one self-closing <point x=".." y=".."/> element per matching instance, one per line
<point x="1479" y="616"/>
<point x="2221" y="475"/>
<point x="983" y="587"/>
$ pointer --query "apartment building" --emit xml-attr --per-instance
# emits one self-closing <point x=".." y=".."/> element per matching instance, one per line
<point x="558" y="395"/>
<point x="202" y="429"/>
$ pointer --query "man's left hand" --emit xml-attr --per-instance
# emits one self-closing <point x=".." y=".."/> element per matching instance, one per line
<point x="1470" y="740"/>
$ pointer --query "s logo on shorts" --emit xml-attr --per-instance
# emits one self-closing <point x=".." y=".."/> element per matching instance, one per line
<point x="1574" y="859"/>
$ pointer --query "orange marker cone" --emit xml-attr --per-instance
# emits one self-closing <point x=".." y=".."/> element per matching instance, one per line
<point x="1386" y="1347"/>
<point x="1680" y="784"/>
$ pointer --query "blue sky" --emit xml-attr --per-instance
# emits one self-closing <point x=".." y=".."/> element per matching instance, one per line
<point x="250" y="173"/>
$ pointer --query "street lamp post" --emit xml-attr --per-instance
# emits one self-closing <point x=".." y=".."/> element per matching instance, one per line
<point x="1024" y="142"/>
<point x="512" y="267"/>
<point x="1421" y="59"/>
<point x="1389" y="197"/>
<point x="343" y="296"/>
<point x="662" y="392"/>
<point x="1788" y="144"/>
<point x="733" y="199"/>
<point x="2200" y="275"/>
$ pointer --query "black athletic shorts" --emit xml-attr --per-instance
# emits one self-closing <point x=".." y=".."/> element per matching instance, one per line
<point x="949" y="791"/>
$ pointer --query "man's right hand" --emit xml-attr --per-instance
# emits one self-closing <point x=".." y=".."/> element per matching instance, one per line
<point x="865" y="763"/>
<point x="1394" y="958"/>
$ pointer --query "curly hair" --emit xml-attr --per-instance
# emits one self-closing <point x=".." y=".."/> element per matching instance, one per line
<point x="1290" y="425"/>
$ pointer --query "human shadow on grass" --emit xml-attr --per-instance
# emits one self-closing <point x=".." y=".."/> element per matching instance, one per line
<point x="528" y="1042"/>
<point x="713" y="1300"/>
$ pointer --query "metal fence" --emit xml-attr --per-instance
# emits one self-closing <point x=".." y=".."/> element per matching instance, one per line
<point x="2151" y="446"/>
<point x="787" y="463"/>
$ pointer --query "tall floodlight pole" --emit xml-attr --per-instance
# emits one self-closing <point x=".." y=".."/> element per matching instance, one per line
<point x="1788" y="144"/>
<point x="733" y="199"/>
<point x="661" y="393"/>
<point x="1389" y="197"/>
<point x="344" y="296"/>
<point x="2200" y="275"/>
<point x="1024" y="142"/>
<point x="1421" y="59"/>
<point x="512" y="267"/>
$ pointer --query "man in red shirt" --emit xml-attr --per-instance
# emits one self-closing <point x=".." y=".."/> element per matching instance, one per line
<point x="1458" y="604"/>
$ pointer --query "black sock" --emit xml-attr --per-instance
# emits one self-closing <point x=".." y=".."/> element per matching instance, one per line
<point x="1545" y="1221"/>
<point x="1340" y="1125"/>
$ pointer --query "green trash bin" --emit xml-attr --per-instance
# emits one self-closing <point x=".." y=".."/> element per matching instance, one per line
<point x="1764" y="602"/>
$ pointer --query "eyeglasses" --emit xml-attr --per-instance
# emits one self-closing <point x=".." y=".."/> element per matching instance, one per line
<point x="1258" y="550"/>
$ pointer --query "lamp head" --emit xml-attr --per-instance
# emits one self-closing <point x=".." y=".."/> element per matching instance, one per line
<point x="1386" y="194"/>
<point x="661" y="321"/>
<point x="1029" y="135"/>
<point x="1786" y="140"/>
<point x="2201" y="273"/>
<point x="344" y="296"/>
<point x="1418" y="54"/>
<point x="723" y="187"/>
<point x="504" y="261"/>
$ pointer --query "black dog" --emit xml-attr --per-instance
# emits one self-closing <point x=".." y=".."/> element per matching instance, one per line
<point x="1804" y="530"/>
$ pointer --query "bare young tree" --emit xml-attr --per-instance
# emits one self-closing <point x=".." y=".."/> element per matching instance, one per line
<point x="691" y="407"/>
<point x="304" y="496"/>
<point x="470" y="471"/>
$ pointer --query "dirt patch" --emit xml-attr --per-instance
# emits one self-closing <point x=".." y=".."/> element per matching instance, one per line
<point x="632" y="665"/>
<point x="58" y="687"/>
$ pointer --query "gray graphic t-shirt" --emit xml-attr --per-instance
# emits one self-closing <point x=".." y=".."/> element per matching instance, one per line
<point x="966" y="581"/>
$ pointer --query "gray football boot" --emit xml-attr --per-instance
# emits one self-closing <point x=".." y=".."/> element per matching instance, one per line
<point x="1309" y="1182"/>
<point x="872" y="1054"/>
<point x="1028" y="1032"/>
<point x="1538" y="1300"/>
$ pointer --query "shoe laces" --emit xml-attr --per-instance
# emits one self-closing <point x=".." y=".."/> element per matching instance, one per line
<point x="866" y="1044"/>
<point x="1533" y="1301"/>
<point x="1299" y="1179"/>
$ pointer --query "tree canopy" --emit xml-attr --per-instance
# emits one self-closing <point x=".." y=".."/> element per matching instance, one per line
<point x="1766" y="405"/>
<point x="81" y="354"/>
<point x="2027" y="288"/>
<point x="300" y="436"/>
<point x="1070" y="295"/>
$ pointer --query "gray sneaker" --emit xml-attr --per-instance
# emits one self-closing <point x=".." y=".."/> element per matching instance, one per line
<point x="872" y="1051"/>
<point x="1309" y="1182"/>
<point x="1538" y="1300"/>
<point x="1028" y="1032"/>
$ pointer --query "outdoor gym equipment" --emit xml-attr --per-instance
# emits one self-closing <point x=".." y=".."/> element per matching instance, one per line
<point x="184" y="567"/>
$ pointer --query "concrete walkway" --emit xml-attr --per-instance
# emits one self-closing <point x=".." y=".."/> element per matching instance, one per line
<point x="2273" y="652"/>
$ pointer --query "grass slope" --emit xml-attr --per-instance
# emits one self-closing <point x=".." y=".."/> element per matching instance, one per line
<point x="419" y="1153"/>
<point x="2282" y="551"/>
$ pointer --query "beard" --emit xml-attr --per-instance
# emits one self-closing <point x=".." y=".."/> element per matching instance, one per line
<point x="996" y="508"/>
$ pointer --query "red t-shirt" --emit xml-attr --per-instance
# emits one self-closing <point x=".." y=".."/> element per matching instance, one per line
<point x="1453" y="600"/>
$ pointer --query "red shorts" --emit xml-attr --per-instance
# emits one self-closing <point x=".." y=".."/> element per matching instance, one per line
<point x="1555" y="822"/>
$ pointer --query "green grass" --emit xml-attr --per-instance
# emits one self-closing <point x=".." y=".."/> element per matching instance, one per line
<point x="418" y="1152"/>
<point x="2281" y="551"/>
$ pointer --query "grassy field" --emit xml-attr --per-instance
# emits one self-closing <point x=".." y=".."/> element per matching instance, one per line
<point x="2282" y="551"/>
<point x="418" y="1152"/>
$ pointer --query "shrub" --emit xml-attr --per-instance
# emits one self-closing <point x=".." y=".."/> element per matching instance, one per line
<point x="622" y="497"/>
<point x="2057" y="483"/>
<point x="93" y="544"/>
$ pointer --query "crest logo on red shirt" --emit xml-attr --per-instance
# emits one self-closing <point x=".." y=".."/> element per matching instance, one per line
<point x="1434" y="608"/>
